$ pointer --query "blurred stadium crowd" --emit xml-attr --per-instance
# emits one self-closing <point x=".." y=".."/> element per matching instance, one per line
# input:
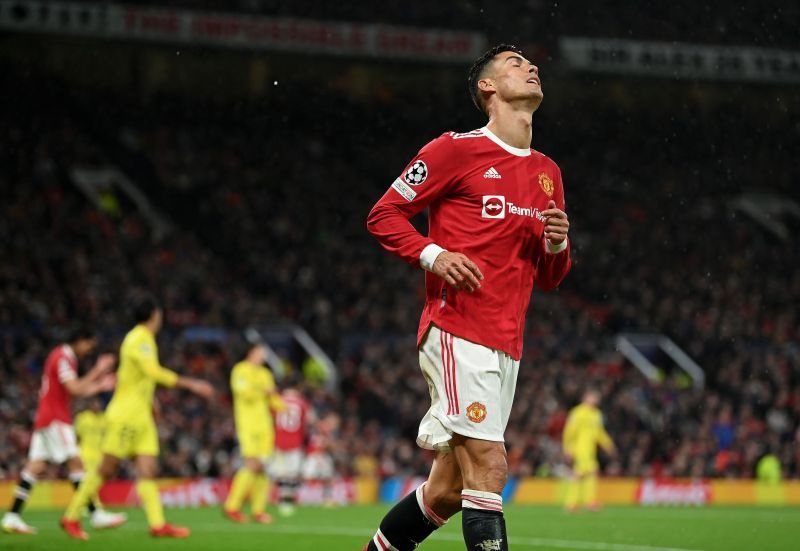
<point x="267" y="203"/>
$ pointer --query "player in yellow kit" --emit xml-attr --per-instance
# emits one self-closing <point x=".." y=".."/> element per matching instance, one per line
<point x="90" y="424"/>
<point x="130" y="427"/>
<point x="583" y="432"/>
<point x="254" y="395"/>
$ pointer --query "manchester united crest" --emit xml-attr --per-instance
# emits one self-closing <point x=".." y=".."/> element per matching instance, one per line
<point x="476" y="412"/>
<point x="547" y="184"/>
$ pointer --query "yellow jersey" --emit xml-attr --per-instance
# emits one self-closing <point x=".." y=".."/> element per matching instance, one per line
<point x="139" y="372"/>
<point x="584" y="431"/>
<point x="89" y="428"/>
<point x="253" y="389"/>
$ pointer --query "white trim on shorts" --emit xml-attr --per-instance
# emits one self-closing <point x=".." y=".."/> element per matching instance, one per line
<point x="471" y="386"/>
<point x="55" y="443"/>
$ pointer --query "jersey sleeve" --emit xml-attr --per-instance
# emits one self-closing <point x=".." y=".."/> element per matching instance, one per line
<point x="429" y="176"/>
<point x="552" y="268"/>
<point x="146" y="358"/>
<point x="66" y="370"/>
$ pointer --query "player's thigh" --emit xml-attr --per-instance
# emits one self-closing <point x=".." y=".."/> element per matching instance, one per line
<point x="119" y="440"/>
<point x="585" y="465"/>
<point x="483" y="463"/>
<point x="256" y="444"/>
<point x="476" y="376"/>
<point x="35" y="467"/>
<point x="146" y="440"/>
<point x="38" y="452"/>
<point x="75" y="465"/>
<point x="55" y="443"/>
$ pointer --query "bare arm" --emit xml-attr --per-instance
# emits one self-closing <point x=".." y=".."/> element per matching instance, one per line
<point x="196" y="386"/>
<point x="98" y="379"/>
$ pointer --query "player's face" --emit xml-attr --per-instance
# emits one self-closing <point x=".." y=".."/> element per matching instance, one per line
<point x="84" y="347"/>
<point x="258" y="354"/>
<point x="516" y="78"/>
<point x="158" y="318"/>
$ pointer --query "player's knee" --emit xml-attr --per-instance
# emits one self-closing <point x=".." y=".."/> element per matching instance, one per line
<point x="444" y="500"/>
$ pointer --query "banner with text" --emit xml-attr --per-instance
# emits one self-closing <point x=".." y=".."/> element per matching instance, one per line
<point x="673" y="60"/>
<point x="239" y="30"/>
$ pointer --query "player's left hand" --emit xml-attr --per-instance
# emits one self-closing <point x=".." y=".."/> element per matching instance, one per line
<point x="556" y="224"/>
<point x="108" y="382"/>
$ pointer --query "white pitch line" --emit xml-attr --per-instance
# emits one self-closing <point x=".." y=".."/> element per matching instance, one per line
<point x="575" y="545"/>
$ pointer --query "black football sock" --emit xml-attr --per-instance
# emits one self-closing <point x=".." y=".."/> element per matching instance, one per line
<point x="22" y="491"/>
<point x="482" y="521"/>
<point x="406" y="525"/>
<point x="76" y="479"/>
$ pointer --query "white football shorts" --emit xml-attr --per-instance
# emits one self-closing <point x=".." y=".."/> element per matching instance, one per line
<point x="54" y="443"/>
<point x="471" y="386"/>
<point x="286" y="464"/>
<point x="318" y="466"/>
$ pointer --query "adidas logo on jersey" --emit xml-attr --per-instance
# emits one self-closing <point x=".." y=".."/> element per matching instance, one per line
<point x="491" y="173"/>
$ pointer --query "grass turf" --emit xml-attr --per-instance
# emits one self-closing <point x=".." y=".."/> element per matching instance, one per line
<point x="534" y="528"/>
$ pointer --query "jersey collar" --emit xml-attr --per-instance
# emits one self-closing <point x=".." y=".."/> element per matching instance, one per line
<point x="510" y="148"/>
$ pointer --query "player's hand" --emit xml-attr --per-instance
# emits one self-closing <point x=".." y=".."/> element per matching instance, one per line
<point x="201" y="388"/>
<point x="105" y="363"/>
<point x="107" y="382"/>
<point x="556" y="224"/>
<point x="458" y="271"/>
<point x="569" y="459"/>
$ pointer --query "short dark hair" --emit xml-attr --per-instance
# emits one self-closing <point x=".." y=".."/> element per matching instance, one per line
<point x="80" y="332"/>
<point x="476" y="71"/>
<point x="142" y="307"/>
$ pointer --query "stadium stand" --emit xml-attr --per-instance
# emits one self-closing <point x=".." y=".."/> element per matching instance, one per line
<point x="656" y="246"/>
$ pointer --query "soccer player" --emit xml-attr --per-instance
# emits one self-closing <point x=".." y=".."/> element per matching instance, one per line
<point x="53" y="439"/>
<point x="290" y="436"/>
<point x="318" y="464"/>
<point x="90" y="424"/>
<point x="497" y="226"/>
<point x="254" y="393"/>
<point x="130" y="428"/>
<point x="583" y="432"/>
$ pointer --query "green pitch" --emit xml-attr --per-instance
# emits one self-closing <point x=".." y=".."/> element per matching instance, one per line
<point x="531" y="528"/>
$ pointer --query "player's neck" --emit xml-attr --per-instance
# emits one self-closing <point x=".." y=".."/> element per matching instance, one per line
<point x="149" y="326"/>
<point x="514" y="127"/>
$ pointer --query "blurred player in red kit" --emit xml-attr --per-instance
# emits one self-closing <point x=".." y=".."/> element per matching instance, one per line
<point x="318" y="464"/>
<point x="290" y="439"/>
<point x="53" y="439"/>
<point x="497" y="227"/>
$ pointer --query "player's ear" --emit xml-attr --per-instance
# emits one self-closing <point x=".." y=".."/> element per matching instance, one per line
<point x="486" y="85"/>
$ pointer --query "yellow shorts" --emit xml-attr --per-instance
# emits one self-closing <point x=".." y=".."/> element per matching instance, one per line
<point x="256" y="444"/>
<point x="127" y="439"/>
<point x="585" y="464"/>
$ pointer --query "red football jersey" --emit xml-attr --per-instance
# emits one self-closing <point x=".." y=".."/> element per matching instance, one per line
<point x="290" y="424"/>
<point x="60" y="366"/>
<point x="485" y="200"/>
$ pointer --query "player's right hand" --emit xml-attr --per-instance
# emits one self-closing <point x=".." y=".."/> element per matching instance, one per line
<point x="458" y="271"/>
